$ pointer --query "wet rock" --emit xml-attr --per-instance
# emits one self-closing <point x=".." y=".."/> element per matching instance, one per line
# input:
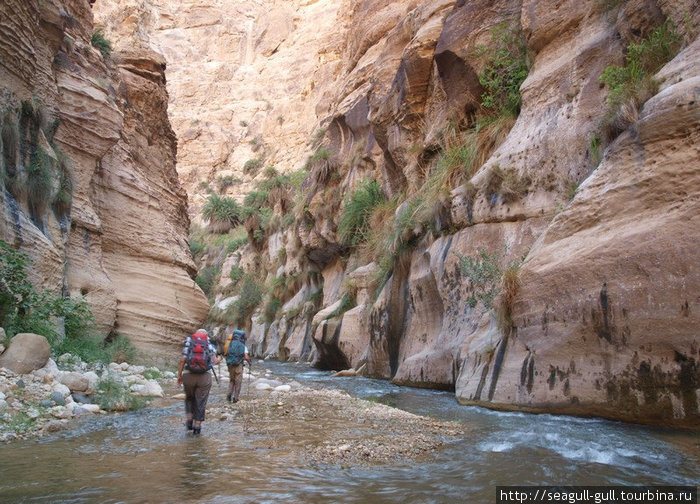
<point x="20" y="383"/>
<point x="46" y="403"/>
<point x="82" y="398"/>
<point x="26" y="353"/>
<point x="55" y="425"/>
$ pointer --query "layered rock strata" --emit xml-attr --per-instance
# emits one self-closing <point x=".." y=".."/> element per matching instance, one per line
<point x="602" y="225"/>
<point x="122" y="241"/>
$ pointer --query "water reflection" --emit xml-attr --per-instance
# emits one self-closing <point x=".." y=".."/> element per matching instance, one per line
<point x="147" y="457"/>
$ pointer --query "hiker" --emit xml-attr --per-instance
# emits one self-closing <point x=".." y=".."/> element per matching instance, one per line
<point x="236" y="353"/>
<point x="198" y="357"/>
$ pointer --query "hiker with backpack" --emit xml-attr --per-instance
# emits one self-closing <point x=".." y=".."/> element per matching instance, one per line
<point x="198" y="357"/>
<point x="236" y="353"/>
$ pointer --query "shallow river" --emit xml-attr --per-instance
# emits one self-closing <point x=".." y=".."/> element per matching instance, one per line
<point x="145" y="456"/>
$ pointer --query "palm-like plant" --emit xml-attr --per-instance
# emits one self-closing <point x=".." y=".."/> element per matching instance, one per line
<point x="222" y="213"/>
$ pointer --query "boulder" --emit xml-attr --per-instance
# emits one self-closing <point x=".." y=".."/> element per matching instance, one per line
<point x="76" y="382"/>
<point x="27" y="352"/>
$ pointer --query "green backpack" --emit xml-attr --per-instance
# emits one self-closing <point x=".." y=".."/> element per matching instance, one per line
<point x="236" y="349"/>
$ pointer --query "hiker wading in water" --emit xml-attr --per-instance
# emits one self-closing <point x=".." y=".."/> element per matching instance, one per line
<point x="198" y="357"/>
<point x="236" y="353"/>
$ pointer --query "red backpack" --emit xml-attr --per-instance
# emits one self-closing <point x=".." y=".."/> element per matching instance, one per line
<point x="198" y="359"/>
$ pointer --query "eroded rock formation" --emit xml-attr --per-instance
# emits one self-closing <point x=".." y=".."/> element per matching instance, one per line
<point x="120" y="241"/>
<point x="602" y="223"/>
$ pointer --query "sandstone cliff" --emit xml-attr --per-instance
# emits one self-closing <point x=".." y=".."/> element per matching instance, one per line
<point x="113" y="222"/>
<point x="595" y="216"/>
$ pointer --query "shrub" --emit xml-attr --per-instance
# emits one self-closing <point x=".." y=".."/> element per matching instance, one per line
<point x="64" y="197"/>
<point x="121" y="349"/>
<point x="347" y="302"/>
<point x="99" y="42"/>
<point x="222" y="213"/>
<point x="492" y="284"/>
<point x="506" y="67"/>
<point x="251" y="166"/>
<point x="249" y="298"/>
<point x="631" y="85"/>
<point x="236" y="243"/>
<point x="353" y="227"/>
<point x="206" y="278"/>
<point x="226" y="181"/>
<point x="196" y="247"/>
<point x="152" y="374"/>
<point x="236" y="274"/>
<point x="114" y="395"/>
<point x="484" y="272"/>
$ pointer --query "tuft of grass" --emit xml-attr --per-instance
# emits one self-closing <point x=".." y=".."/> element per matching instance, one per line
<point x="226" y="181"/>
<point x="99" y="42"/>
<point x="631" y="85"/>
<point x="353" y="226"/>
<point x="251" y="166"/>
<point x="113" y="394"/>
<point x="493" y="286"/>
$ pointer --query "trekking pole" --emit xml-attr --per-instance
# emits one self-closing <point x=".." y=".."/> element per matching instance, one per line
<point x="217" y="378"/>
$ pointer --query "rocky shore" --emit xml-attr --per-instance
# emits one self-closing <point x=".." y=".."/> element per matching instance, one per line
<point x="320" y="425"/>
<point x="53" y="397"/>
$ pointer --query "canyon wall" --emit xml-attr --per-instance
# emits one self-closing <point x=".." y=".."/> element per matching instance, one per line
<point x="596" y="216"/>
<point x="119" y="236"/>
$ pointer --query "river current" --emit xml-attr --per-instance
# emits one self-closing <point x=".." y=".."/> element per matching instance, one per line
<point x="146" y="457"/>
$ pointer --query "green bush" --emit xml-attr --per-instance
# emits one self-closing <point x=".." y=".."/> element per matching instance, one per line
<point x="99" y="42"/>
<point x="634" y="82"/>
<point x="236" y="243"/>
<point x="114" y="395"/>
<point x="251" y="166"/>
<point x="196" y="247"/>
<point x="22" y="309"/>
<point x="223" y="213"/>
<point x="506" y="67"/>
<point x="484" y="272"/>
<point x="249" y="297"/>
<point x="353" y="227"/>
<point x="236" y="274"/>
<point x="224" y="182"/>
<point x="206" y="278"/>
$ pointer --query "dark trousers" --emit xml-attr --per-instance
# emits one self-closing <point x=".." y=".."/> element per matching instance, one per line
<point x="197" y="388"/>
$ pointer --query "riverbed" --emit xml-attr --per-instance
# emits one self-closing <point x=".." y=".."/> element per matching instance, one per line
<point x="335" y="441"/>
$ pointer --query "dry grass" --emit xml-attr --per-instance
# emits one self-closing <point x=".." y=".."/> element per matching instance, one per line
<point x="510" y="286"/>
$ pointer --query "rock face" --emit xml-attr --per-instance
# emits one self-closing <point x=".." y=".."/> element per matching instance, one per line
<point x="598" y="222"/>
<point x="120" y="238"/>
<point x="26" y="353"/>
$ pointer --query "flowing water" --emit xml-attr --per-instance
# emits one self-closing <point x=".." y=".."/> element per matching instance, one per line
<point x="145" y="456"/>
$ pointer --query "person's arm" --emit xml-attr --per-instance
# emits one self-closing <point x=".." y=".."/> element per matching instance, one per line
<point x="180" y="367"/>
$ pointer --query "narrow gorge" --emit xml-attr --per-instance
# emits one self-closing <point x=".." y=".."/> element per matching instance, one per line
<point x="494" y="198"/>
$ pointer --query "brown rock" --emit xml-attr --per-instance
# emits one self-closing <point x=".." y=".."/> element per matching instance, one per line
<point x="26" y="353"/>
<point x="76" y="382"/>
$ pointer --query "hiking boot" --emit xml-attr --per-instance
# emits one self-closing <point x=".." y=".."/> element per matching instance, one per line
<point x="196" y="431"/>
<point x="228" y="398"/>
<point x="188" y="424"/>
<point x="234" y="400"/>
